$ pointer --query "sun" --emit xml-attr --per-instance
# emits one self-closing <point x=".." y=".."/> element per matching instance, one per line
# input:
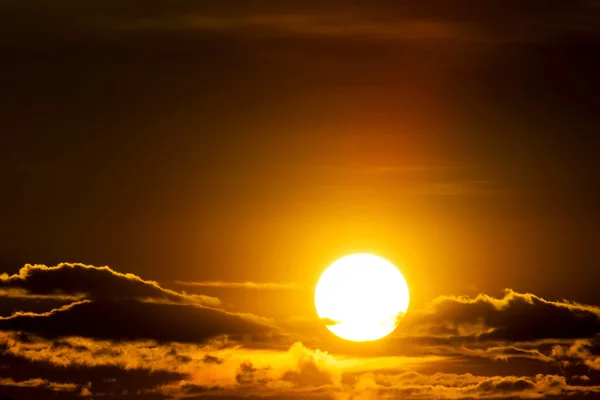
<point x="361" y="297"/>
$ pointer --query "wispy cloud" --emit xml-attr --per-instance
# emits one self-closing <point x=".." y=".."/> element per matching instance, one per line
<point x="412" y="20"/>
<point x="307" y="25"/>
<point x="243" y="285"/>
<point x="42" y="383"/>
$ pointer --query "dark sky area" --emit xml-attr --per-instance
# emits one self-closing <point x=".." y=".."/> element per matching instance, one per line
<point x="197" y="141"/>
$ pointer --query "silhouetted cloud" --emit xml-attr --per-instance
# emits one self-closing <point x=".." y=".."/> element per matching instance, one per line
<point x="31" y="303"/>
<point x="295" y="373"/>
<point x="247" y="374"/>
<point x="100" y="379"/>
<point x="208" y="359"/>
<point x="94" y="283"/>
<point x="515" y="317"/>
<point x="583" y="351"/>
<point x="41" y="383"/>
<point x="118" y="335"/>
<point x="133" y="320"/>
<point x="413" y="385"/>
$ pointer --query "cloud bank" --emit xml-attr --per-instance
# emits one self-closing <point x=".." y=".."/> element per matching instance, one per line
<point x="121" y="336"/>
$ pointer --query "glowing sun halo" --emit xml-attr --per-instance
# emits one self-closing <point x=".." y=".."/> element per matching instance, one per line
<point x="361" y="297"/>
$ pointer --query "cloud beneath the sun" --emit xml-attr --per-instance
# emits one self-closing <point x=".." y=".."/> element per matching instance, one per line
<point x="172" y="370"/>
<point x="161" y="343"/>
<point x="413" y="385"/>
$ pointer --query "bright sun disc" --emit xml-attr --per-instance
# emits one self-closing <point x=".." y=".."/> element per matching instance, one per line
<point x="361" y="297"/>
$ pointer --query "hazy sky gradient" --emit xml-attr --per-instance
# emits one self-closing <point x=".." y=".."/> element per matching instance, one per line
<point x="231" y="150"/>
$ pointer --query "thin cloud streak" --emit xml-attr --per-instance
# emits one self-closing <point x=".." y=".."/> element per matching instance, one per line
<point x="243" y="285"/>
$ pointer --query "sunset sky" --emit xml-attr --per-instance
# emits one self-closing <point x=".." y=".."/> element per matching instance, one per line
<point x="176" y="176"/>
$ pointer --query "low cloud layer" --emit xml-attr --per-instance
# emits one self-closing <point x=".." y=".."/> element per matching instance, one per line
<point x="120" y="336"/>
<point x="466" y="386"/>
<point x="180" y="371"/>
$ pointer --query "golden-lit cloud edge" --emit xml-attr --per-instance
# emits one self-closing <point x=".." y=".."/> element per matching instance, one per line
<point x="167" y="346"/>
<point x="75" y="280"/>
<point x="241" y="372"/>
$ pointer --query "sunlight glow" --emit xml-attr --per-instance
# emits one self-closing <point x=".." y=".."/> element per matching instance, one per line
<point x="361" y="297"/>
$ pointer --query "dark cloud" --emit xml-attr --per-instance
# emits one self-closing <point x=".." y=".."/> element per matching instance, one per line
<point x="93" y="283"/>
<point x="516" y="317"/>
<point x="247" y="374"/>
<point x="581" y="352"/>
<point x="109" y="368"/>
<point x="301" y="372"/>
<point x="208" y="359"/>
<point x="123" y="335"/>
<point x="191" y="389"/>
<point x="12" y="304"/>
<point x="412" y="385"/>
<point x="34" y="393"/>
<point x="40" y="383"/>
<point x="37" y="393"/>
<point x="505" y="385"/>
<point x="100" y="379"/>
<point x="135" y="320"/>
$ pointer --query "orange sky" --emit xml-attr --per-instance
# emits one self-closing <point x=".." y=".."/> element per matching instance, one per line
<point x="196" y="165"/>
